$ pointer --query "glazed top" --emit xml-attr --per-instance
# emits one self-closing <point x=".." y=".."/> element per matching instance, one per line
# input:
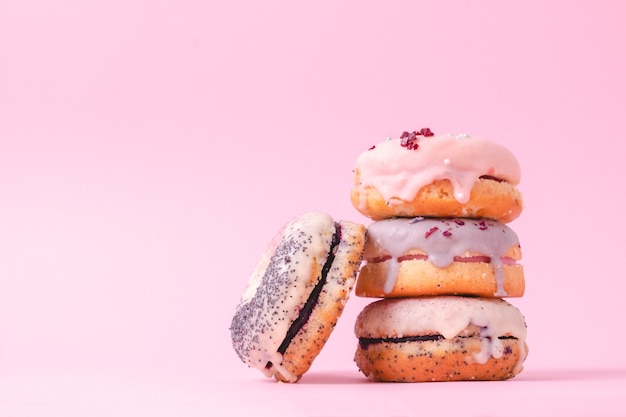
<point x="399" y="171"/>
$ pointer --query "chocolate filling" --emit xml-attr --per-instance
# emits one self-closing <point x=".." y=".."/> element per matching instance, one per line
<point x="366" y="342"/>
<point x="490" y="177"/>
<point x="311" y="302"/>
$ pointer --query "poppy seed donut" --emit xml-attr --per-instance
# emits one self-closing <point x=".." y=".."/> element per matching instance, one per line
<point x="420" y="174"/>
<point x="444" y="338"/>
<point x="296" y="294"/>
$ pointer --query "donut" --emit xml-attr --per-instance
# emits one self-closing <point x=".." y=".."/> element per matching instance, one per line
<point x="440" y="256"/>
<point x="444" y="338"/>
<point x="420" y="174"/>
<point x="296" y="294"/>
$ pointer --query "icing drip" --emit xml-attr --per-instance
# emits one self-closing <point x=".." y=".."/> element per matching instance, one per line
<point x="273" y="368"/>
<point x="442" y="240"/>
<point x="399" y="174"/>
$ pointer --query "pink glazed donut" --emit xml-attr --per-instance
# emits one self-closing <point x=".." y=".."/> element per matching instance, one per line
<point x="296" y="294"/>
<point x="420" y="174"/>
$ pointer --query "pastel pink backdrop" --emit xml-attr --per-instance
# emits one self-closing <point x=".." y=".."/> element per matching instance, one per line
<point x="150" y="150"/>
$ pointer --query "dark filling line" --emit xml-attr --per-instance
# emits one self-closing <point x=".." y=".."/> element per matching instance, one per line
<point x="490" y="177"/>
<point x="311" y="302"/>
<point x="366" y="342"/>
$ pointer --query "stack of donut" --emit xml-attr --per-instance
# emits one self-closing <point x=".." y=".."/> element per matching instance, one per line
<point x="441" y="260"/>
<point x="438" y="255"/>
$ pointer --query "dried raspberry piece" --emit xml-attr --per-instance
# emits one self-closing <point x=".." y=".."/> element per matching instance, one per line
<point x="426" y="132"/>
<point x="409" y="139"/>
<point x="431" y="231"/>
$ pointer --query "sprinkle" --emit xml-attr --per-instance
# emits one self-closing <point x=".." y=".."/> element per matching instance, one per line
<point x="431" y="231"/>
<point x="409" y="140"/>
<point x="372" y="147"/>
<point x="447" y="233"/>
<point x="426" y="132"/>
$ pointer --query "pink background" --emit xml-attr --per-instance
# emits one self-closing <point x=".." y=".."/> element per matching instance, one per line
<point x="149" y="150"/>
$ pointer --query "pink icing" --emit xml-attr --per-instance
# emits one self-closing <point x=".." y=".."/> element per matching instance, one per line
<point x="399" y="173"/>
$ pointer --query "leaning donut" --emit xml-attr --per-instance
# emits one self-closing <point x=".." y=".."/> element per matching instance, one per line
<point x="296" y="294"/>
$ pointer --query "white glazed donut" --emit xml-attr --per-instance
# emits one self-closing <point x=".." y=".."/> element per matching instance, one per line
<point x="445" y="256"/>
